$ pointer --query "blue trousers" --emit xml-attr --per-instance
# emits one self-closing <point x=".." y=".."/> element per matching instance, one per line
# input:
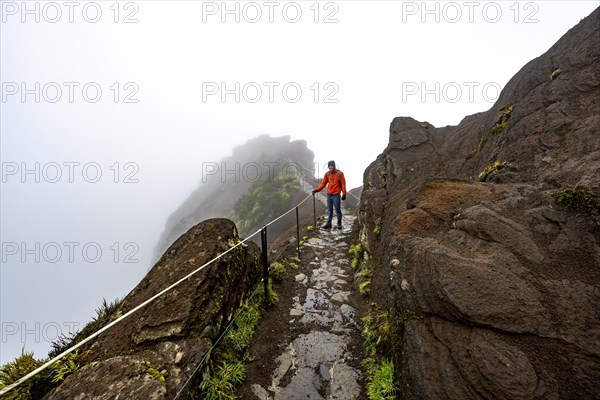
<point x="334" y="200"/>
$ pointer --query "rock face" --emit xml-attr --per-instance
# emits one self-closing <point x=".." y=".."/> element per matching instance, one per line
<point x="494" y="287"/>
<point x="168" y="338"/>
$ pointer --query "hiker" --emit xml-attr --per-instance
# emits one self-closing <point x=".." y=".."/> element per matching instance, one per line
<point x="336" y="184"/>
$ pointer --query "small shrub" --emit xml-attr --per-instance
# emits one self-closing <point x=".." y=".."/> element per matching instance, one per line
<point x="277" y="272"/>
<point x="15" y="370"/>
<point x="578" y="198"/>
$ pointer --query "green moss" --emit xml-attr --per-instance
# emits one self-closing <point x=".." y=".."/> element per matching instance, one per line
<point x="292" y="262"/>
<point x="579" y="199"/>
<point x="482" y="143"/>
<point x="356" y="252"/>
<point x="480" y="147"/>
<point x="502" y="120"/>
<point x="155" y="374"/>
<point x="365" y="287"/>
<point x="377" y="229"/>
<point x="407" y="315"/>
<point x="496" y="166"/>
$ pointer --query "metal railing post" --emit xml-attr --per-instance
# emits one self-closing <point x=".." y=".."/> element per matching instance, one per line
<point x="298" y="230"/>
<point x="314" y="211"/>
<point x="265" y="262"/>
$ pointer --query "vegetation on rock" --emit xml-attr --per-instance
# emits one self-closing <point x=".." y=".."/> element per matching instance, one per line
<point x="578" y="198"/>
<point x="502" y="120"/>
<point x="265" y="201"/>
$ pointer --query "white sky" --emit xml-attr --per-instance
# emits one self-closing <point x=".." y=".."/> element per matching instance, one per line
<point x="371" y="58"/>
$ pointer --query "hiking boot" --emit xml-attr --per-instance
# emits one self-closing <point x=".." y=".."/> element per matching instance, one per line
<point x="339" y="225"/>
<point x="327" y="225"/>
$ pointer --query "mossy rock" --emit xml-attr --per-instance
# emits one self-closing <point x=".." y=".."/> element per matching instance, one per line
<point x="579" y="199"/>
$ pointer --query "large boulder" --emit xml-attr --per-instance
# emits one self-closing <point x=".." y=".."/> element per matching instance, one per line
<point x="166" y="339"/>
<point x="493" y="287"/>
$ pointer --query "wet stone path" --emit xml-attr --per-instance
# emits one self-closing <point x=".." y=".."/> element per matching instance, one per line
<point x="322" y="356"/>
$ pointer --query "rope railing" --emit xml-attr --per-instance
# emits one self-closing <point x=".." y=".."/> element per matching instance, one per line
<point x="263" y="232"/>
<point x="209" y="351"/>
<point x="116" y="321"/>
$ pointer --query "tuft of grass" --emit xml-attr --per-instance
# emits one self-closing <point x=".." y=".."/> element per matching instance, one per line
<point x="579" y="199"/>
<point x="381" y="383"/>
<point x="101" y="319"/>
<point x="379" y="370"/>
<point x="277" y="272"/>
<point x="221" y="382"/>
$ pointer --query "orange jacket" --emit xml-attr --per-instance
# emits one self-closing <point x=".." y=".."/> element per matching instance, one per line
<point x="334" y="181"/>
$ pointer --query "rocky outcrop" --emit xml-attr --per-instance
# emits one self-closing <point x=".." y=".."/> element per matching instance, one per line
<point x="225" y="181"/>
<point x="151" y="353"/>
<point x="494" y="287"/>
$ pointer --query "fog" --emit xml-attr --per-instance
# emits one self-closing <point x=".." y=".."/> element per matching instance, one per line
<point x="111" y="111"/>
